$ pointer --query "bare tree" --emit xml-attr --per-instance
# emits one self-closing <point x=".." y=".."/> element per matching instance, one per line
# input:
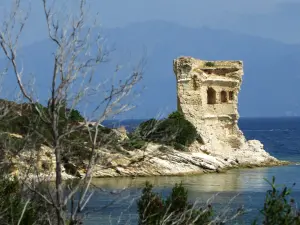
<point x="78" y="52"/>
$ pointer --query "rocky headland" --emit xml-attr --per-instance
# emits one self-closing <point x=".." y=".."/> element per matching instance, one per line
<point x="207" y="96"/>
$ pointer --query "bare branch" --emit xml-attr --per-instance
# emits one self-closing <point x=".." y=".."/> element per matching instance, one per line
<point x="78" y="52"/>
<point x="23" y="211"/>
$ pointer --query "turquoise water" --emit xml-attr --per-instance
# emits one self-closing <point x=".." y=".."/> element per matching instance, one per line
<point x="114" y="203"/>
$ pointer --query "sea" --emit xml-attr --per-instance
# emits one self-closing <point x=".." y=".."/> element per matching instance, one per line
<point x="114" y="199"/>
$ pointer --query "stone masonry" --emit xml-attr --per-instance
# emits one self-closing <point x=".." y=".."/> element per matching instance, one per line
<point x="207" y="94"/>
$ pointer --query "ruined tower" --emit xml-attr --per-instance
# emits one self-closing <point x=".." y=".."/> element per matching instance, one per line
<point x="207" y="94"/>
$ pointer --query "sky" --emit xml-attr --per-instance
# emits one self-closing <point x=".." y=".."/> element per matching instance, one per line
<point x="276" y="19"/>
<point x="271" y="19"/>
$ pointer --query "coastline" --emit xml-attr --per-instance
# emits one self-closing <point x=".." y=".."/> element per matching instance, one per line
<point x="200" y="171"/>
<point x="153" y="162"/>
<point x="224" y="170"/>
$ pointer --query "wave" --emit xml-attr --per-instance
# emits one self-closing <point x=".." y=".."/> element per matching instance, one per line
<point x="266" y="130"/>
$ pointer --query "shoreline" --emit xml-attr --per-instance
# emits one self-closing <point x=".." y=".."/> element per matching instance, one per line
<point x="153" y="161"/>
<point x="279" y="163"/>
<point x="195" y="173"/>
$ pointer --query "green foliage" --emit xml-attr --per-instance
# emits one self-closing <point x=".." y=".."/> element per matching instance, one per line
<point x="75" y="116"/>
<point x="13" y="200"/>
<point x="146" y="128"/>
<point x="210" y="64"/>
<point x="24" y="119"/>
<point x="153" y="209"/>
<point x="179" y="147"/>
<point x="174" y="130"/>
<point x="133" y="143"/>
<point x="150" y="206"/>
<point x="178" y="200"/>
<point x="10" y="143"/>
<point x="176" y="115"/>
<point x="279" y="208"/>
<point x="78" y="145"/>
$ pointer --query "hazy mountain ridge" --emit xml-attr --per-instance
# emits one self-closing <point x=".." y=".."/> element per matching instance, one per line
<point x="270" y="86"/>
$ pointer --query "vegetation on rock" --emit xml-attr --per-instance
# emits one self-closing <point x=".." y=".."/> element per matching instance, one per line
<point x="133" y="142"/>
<point x="75" y="116"/>
<point x="210" y="64"/>
<point x="174" y="130"/>
<point x="23" y="119"/>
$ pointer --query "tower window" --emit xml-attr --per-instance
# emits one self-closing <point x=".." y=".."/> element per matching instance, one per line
<point x="231" y="95"/>
<point x="211" y="96"/>
<point x="224" y="96"/>
<point x="195" y="82"/>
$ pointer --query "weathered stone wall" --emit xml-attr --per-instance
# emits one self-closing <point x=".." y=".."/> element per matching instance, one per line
<point x="207" y="94"/>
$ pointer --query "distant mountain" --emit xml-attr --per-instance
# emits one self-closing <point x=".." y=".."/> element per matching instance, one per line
<point x="272" y="68"/>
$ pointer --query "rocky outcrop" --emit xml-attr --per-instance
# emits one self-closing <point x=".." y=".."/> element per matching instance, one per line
<point x="152" y="160"/>
<point x="207" y="94"/>
<point x="31" y="163"/>
<point x="157" y="160"/>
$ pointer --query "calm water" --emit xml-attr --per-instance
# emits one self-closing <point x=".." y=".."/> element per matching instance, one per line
<point x="115" y="202"/>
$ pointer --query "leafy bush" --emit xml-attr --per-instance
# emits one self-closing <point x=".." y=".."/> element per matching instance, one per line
<point x="133" y="143"/>
<point x="179" y="147"/>
<point x="21" y="117"/>
<point x="153" y="209"/>
<point x="146" y="128"/>
<point x="150" y="206"/>
<point x="78" y="145"/>
<point x="75" y="116"/>
<point x="210" y="64"/>
<point x="14" y="199"/>
<point x="178" y="200"/>
<point x="24" y="119"/>
<point x="175" y="130"/>
<point x="279" y="208"/>
<point x="176" y="115"/>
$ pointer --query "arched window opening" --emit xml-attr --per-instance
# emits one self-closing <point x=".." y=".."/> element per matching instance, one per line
<point x="195" y="82"/>
<point x="211" y="96"/>
<point x="231" y="95"/>
<point x="223" y="96"/>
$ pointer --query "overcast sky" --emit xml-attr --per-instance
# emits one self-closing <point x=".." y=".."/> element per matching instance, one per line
<point x="276" y="19"/>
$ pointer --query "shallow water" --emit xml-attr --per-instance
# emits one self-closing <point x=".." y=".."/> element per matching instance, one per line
<point x="115" y="202"/>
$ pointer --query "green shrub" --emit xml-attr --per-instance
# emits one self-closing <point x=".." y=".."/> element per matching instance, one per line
<point x="30" y="118"/>
<point x="175" y="130"/>
<point x="210" y="64"/>
<point x="279" y="208"/>
<point x="175" y="209"/>
<point x="150" y="206"/>
<point x="134" y="143"/>
<point x="77" y="145"/>
<point x="24" y="119"/>
<point x="176" y="115"/>
<point x="75" y="116"/>
<point x="146" y="128"/>
<point x="13" y="198"/>
<point x="179" y="147"/>
<point x="178" y="200"/>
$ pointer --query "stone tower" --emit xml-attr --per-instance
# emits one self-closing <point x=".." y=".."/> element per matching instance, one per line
<point x="207" y="94"/>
